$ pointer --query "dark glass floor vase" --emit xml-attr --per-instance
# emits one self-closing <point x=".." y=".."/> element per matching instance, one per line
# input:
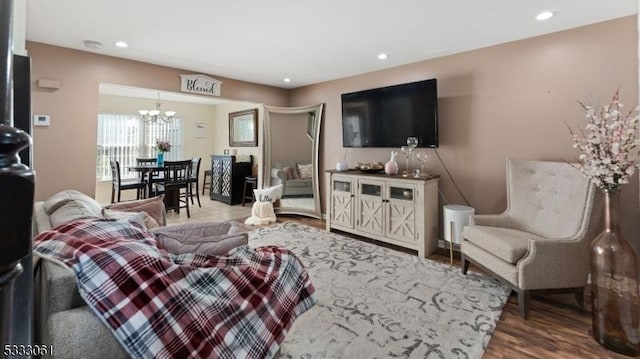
<point x="614" y="275"/>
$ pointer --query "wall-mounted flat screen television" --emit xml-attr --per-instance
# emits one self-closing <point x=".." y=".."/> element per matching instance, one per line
<point x="386" y="116"/>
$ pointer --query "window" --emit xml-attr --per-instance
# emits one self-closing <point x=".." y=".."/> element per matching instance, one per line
<point x="125" y="137"/>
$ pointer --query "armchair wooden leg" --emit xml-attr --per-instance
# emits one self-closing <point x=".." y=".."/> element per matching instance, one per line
<point x="464" y="263"/>
<point x="523" y="302"/>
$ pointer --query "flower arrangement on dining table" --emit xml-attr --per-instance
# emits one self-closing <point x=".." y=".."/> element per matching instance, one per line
<point x="608" y="144"/>
<point x="163" y="146"/>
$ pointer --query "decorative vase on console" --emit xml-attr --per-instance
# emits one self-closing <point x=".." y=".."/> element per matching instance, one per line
<point x="607" y="155"/>
<point x="391" y="167"/>
<point x="162" y="147"/>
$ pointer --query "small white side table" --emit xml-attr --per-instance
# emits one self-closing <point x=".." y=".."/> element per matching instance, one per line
<point x="455" y="217"/>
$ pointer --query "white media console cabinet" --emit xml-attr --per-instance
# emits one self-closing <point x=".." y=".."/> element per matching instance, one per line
<point x="390" y="208"/>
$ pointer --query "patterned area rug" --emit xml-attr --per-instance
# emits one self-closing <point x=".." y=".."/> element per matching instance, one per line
<point x="376" y="302"/>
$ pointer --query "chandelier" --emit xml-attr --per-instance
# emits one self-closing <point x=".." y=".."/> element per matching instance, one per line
<point x="157" y="114"/>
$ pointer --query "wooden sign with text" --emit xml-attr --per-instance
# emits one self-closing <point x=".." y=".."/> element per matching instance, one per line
<point x="200" y="84"/>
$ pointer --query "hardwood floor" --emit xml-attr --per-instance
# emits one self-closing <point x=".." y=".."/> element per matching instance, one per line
<point x="556" y="327"/>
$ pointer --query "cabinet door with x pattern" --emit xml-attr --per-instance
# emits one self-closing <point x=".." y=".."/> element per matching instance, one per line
<point x="400" y="218"/>
<point x="370" y="206"/>
<point x="342" y="201"/>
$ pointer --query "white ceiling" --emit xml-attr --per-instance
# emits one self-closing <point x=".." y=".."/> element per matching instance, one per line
<point x="264" y="41"/>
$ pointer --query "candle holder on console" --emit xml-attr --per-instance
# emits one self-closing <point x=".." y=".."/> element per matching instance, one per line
<point x="412" y="143"/>
<point x="421" y="156"/>
<point x="406" y="152"/>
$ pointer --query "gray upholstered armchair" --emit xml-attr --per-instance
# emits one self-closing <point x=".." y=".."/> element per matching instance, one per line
<point x="542" y="241"/>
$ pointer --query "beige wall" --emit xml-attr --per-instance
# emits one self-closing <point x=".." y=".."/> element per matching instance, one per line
<point x="511" y="100"/>
<point x="64" y="152"/>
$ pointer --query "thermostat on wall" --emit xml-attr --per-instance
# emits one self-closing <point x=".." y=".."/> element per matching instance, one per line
<point x="41" y="120"/>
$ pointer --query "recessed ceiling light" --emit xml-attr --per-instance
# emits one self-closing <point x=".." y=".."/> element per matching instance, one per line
<point x="545" y="15"/>
<point x="286" y="79"/>
<point x="382" y="56"/>
<point x="92" y="44"/>
<point x="122" y="44"/>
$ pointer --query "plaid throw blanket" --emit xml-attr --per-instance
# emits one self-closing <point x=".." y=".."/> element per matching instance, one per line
<point x="181" y="306"/>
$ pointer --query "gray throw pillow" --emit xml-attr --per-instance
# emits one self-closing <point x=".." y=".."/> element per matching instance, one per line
<point x="209" y="238"/>
<point x="71" y="211"/>
<point x="61" y="198"/>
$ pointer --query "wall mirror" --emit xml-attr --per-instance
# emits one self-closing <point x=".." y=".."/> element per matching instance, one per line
<point x="291" y="157"/>
<point x="243" y="128"/>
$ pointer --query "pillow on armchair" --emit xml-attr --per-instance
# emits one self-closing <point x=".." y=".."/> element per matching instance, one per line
<point x="305" y="171"/>
<point x="290" y="173"/>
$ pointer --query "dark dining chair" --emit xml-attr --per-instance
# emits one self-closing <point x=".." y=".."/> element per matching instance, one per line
<point x="153" y="176"/>
<point x="193" y="179"/>
<point x="156" y="176"/>
<point x="175" y="185"/>
<point x="117" y="185"/>
<point x="146" y="161"/>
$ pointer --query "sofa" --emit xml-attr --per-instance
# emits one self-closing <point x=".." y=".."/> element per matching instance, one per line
<point x="62" y="318"/>
<point x="296" y="178"/>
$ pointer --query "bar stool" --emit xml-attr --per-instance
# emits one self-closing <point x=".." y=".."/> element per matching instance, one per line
<point x="206" y="181"/>
<point x="253" y="182"/>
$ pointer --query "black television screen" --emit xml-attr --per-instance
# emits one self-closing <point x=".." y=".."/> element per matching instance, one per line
<point x="385" y="117"/>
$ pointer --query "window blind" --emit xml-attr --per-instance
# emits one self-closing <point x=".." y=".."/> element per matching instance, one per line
<point x="125" y="137"/>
